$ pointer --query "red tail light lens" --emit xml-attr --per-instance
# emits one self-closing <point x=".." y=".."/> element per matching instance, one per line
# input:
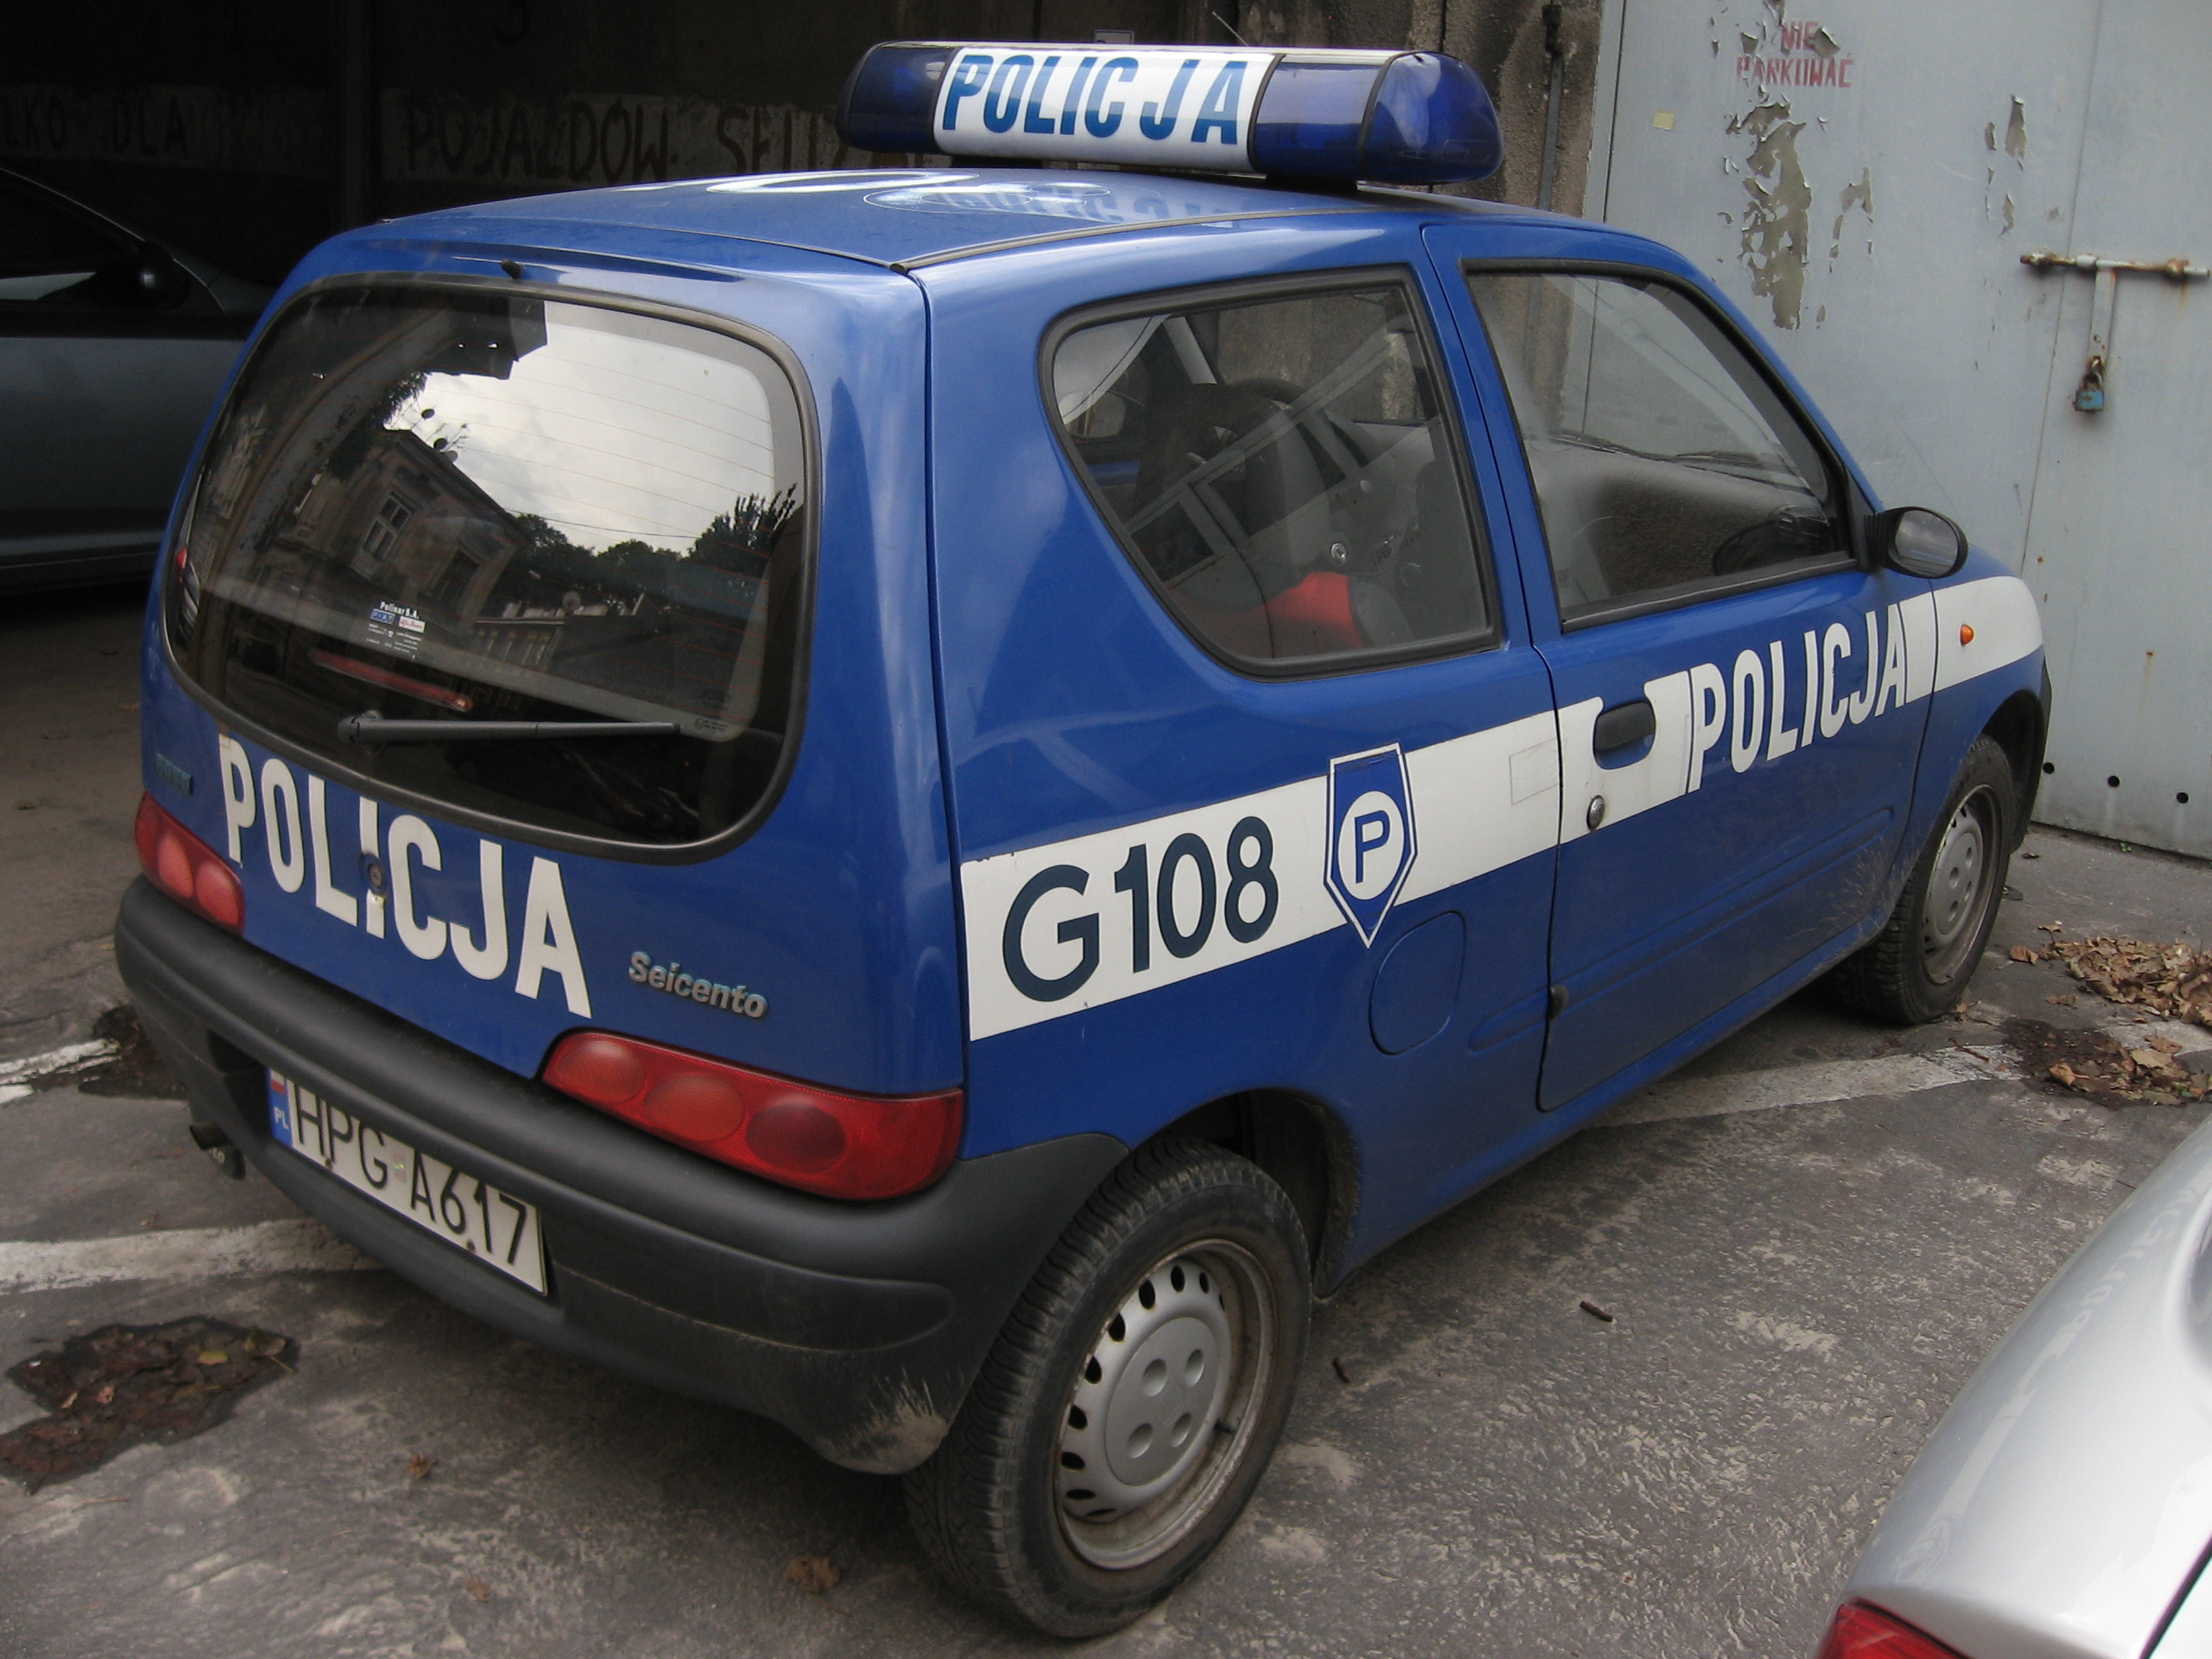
<point x="186" y="868"/>
<point x="1861" y="1631"/>
<point x="817" y="1140"/>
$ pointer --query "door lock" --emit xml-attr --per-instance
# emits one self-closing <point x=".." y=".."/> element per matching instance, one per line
<point x="2089" y="395"/>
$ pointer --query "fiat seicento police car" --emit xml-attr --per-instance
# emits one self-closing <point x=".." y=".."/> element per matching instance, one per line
<point x="921" y="801"/>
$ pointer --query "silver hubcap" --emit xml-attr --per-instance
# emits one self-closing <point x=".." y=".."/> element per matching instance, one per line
<point x="1158" y="1418"/>
<point x="1958" y="890"/>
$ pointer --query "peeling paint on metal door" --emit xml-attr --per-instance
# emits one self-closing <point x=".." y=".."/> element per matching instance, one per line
<point x="1863" y="179"/>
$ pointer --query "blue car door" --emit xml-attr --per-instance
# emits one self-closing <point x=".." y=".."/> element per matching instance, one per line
<point x="1740" y="701"/>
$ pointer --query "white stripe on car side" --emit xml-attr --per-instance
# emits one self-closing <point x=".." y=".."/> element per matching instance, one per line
<point x="2007" y="626"/>
<point x="1481" y="802"/>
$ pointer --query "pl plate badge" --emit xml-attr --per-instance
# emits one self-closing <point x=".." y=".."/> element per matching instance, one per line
<point x="1370" y="836"/>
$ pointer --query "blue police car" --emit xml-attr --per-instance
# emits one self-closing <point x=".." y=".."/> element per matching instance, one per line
<point x="921" y="801"/>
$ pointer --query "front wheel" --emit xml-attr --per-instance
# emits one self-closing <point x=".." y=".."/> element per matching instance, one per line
<point x="1916" y="968"/>
<point x="1131" y="1402"/>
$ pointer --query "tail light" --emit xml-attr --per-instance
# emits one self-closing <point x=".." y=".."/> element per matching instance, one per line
<point x="186" y="868"/>
<point x="1861" y="1631"/>
<point x="817" y="1140"/>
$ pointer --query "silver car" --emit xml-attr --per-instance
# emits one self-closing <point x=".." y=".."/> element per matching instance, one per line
<point x="2063" y="1508"/>
<point x="112" y="348"/>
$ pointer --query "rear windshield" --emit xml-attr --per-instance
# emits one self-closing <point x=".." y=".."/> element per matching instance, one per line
<point x="465" y="507"/>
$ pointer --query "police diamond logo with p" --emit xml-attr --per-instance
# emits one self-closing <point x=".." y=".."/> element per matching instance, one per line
<point x="1370" y="836"/>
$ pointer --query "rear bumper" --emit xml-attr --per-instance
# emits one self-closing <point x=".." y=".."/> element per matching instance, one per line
<point x="859" y="1327"/>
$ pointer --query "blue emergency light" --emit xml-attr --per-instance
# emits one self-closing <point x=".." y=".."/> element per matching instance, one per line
<point x="1405" y="117"/>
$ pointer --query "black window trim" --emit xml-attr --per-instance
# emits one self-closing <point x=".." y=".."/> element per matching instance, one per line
<point x="1336" y="280"/>
<point x="1854" y="506"/>
<point x="230" y="721"/>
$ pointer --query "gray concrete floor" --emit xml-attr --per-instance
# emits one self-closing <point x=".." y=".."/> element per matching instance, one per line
<point x="1474" y="1466"/>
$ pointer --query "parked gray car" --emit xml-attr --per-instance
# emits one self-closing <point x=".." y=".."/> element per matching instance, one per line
<point x="112" y="347"/>
<point x="2063" y="1508"/>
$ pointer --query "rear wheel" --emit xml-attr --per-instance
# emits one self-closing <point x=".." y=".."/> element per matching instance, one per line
<point x="1917" y="967"/>
<point x="1133" y="1400"/>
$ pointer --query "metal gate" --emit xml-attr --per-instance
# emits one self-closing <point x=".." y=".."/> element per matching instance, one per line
<point x="1867" y="182"/>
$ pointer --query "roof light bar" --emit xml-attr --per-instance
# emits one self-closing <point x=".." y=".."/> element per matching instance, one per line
<point x="1409" y="118"/>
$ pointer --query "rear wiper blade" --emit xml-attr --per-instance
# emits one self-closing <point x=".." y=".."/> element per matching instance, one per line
<point x="369" y="730"/>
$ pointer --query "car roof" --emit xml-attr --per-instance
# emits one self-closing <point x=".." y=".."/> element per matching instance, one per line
<point x="902" y="218"/>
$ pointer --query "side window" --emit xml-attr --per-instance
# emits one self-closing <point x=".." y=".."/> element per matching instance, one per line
<point x="1281" y="467"/>
<point x="50" y="258"/>
<point x="1665" y="465"/>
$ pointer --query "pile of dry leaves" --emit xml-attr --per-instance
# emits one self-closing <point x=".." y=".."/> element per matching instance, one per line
<point x="2116" y="1073"/>
<point x="2173" y="980"/>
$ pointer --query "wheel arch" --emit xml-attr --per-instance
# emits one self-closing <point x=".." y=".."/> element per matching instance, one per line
<point x="2018" y="727"/>
<point x="1304" y="1148"/>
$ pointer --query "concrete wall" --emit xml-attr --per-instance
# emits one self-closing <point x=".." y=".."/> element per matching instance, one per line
<point x="247" y="130"/>
<point x="1506" y="42"/>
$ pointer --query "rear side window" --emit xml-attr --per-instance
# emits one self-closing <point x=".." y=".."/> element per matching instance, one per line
<point x="1280" y="468"/>
<point x="467" y="507"/>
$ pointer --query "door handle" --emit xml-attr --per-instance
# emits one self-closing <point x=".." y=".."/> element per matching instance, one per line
<point x="1618" y="727"/>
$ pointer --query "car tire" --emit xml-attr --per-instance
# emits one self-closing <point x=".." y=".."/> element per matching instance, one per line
<point x="1170" y="1319"/>
<point x="1917" y="968"/>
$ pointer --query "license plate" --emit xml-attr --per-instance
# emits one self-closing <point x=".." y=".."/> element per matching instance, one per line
<point x="474" y="1215"/>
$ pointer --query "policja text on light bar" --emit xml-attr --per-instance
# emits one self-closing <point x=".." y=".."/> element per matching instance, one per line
<point x="1394" y="118"/>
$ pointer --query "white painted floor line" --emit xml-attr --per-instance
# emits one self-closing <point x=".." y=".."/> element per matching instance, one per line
<point x="1803" y="1085"/>
<point x="72" y="1057"/>
<point x="301" y="1245"/>
<point x="1854" y="1079"/>
<point x="2185" y="1037"/>
<point x="267" y="1247"/>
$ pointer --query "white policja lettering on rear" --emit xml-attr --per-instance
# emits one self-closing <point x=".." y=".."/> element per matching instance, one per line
<point x="546" y="942"/>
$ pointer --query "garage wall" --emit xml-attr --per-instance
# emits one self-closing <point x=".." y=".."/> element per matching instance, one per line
<point x="248" y="130"/>
<point x="206" y="126"/>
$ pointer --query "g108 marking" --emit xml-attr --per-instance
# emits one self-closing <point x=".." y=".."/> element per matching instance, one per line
<point x="1057" y="928"/>
<point x="1247" y="910"/>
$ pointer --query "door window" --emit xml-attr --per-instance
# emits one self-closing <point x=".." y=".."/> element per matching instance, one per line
<point x="1666" y="467"/>
<point x="51" y="258"/>
<point x="1280" y="469"/>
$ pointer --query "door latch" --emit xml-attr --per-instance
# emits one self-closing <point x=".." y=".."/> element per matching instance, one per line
<point x="2089" y="395"/>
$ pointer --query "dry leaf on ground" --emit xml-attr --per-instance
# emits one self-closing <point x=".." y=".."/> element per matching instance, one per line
<point x="815" y="1574"/>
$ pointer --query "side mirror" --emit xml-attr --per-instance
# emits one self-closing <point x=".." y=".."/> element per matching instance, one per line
<point x="1918" y="542"/>
<point x="158" y="280"/>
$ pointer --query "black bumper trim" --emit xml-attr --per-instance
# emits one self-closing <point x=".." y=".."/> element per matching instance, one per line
<point x="858" y="1326"/>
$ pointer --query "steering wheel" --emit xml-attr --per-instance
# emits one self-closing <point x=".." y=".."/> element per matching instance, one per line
<point x="1782" y="536"/>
